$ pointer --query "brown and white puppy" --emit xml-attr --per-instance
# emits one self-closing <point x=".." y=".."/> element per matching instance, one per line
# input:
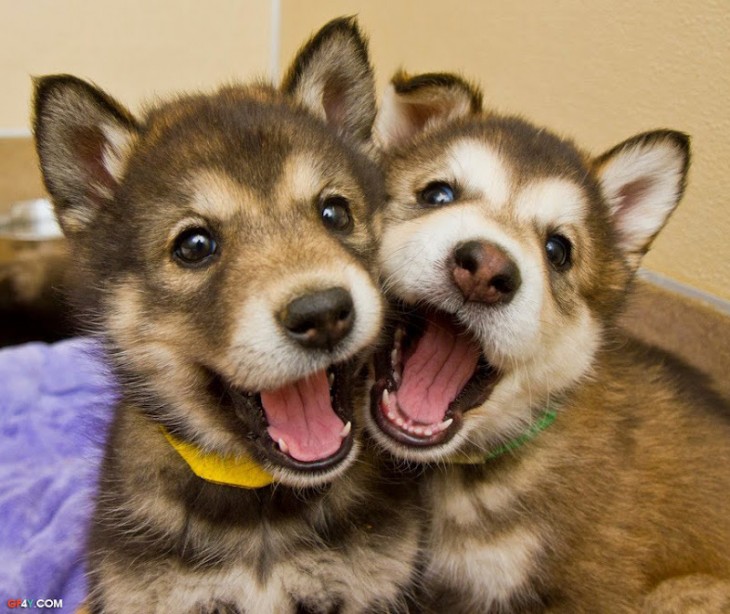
<point x="571" y="470"/>
<point x="228" y="241"/>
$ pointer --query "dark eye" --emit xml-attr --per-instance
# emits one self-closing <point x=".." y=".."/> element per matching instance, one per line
<point x="194" y="246"/>
<point x="437" y="193"/>
<point x="336" y="213"/>
<point x="558" y="250"/>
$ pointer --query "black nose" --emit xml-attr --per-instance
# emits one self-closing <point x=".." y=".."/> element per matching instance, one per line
<point x="484" y="273"/>
<point x="319" y="319"/>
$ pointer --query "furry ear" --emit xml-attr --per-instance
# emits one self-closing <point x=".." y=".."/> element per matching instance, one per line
<point x="642" y="180"/>
<point x="331" y="76"/>
<point x="84" y="139"/>
<point x="414" y="104"/>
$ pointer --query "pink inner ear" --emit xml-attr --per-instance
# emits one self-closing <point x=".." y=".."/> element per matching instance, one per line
<point x="88" y="144"/>
<point x="631" y="193"/>
<point x="333" y="101"/>
<point x="419" y="114"/>
<point x="414" y="117"/>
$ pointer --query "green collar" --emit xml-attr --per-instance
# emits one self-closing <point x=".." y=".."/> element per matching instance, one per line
<point x="544" y="421"/>
<point x="240" y="471"/>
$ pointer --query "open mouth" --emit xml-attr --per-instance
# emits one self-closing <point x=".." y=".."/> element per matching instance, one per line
<point x="430" y="373"/>
<point x="305" y="425"/>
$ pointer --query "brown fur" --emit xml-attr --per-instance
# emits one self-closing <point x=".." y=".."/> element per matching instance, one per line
<point x="621" y="505"/>
<point x="252" y="165"/>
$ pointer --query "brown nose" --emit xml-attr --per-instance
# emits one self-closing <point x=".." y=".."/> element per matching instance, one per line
<point x="319" y="319"/>
<point x="484" y="273"/>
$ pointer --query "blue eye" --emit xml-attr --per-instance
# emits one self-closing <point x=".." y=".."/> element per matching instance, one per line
<point x="558" y="250"/>
<point x="437" y="193"/>
<point x="194" y="247"/>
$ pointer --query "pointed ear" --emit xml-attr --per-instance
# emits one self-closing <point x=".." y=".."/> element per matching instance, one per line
<point x="415" y="104"/>
<point x="642" y="180"/>
<point x="84" y="139"/>
<point x="331" y="76"/>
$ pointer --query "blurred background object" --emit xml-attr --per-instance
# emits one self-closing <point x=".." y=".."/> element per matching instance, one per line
<point x="33" y="306"/>
<point x="30" y="220"/>
<point x="33" y="275"/>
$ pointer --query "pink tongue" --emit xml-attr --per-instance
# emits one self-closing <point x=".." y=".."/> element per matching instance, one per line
<point x="435" y="373"/>
<point x="301" y="414"/>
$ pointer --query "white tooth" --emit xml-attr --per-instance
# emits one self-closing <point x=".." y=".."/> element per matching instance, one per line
<point x="428" y="432"/>
<point x="399" y="421"/>
<point x="391" y="415"/>
<point x="445" y="424"/>
<point x="396" y="377"/>
<point x="346" y="430"/>
<point x="386" y="398"/>
<point x="282" y="446"/>
<point x="394" y="357"/>
<point x="331" y="379"/>
<point x="418" y="430"/>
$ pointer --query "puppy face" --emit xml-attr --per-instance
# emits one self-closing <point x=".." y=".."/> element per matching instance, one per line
<point x="226" y="285"/>
<point x="229" y="237"/>
<point x="507" y="251"/>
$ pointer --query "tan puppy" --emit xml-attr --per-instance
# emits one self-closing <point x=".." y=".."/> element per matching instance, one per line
<point x="571" y="469"/>
<point x="228" y="245"/>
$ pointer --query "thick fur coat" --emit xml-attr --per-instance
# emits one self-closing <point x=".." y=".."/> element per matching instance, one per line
<point x="227" y="244"/>
<point x="509" y="252"/>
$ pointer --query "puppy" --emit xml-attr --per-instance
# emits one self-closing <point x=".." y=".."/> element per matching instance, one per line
<point x="229" y="245"/>
<point x="574" y="473"/>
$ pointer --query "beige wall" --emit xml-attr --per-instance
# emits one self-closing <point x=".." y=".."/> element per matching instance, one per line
<point x="133" y="48"/>
<point x="597" y="71"/>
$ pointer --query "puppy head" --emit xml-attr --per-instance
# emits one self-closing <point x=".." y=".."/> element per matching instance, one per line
<point x="229" y="238"/>
<point x="509" y="251"/>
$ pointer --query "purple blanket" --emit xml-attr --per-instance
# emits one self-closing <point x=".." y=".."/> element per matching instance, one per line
<point x="55" y="406"/>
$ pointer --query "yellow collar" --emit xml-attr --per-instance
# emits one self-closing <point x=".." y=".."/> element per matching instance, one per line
<point x="241" y="471"/>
